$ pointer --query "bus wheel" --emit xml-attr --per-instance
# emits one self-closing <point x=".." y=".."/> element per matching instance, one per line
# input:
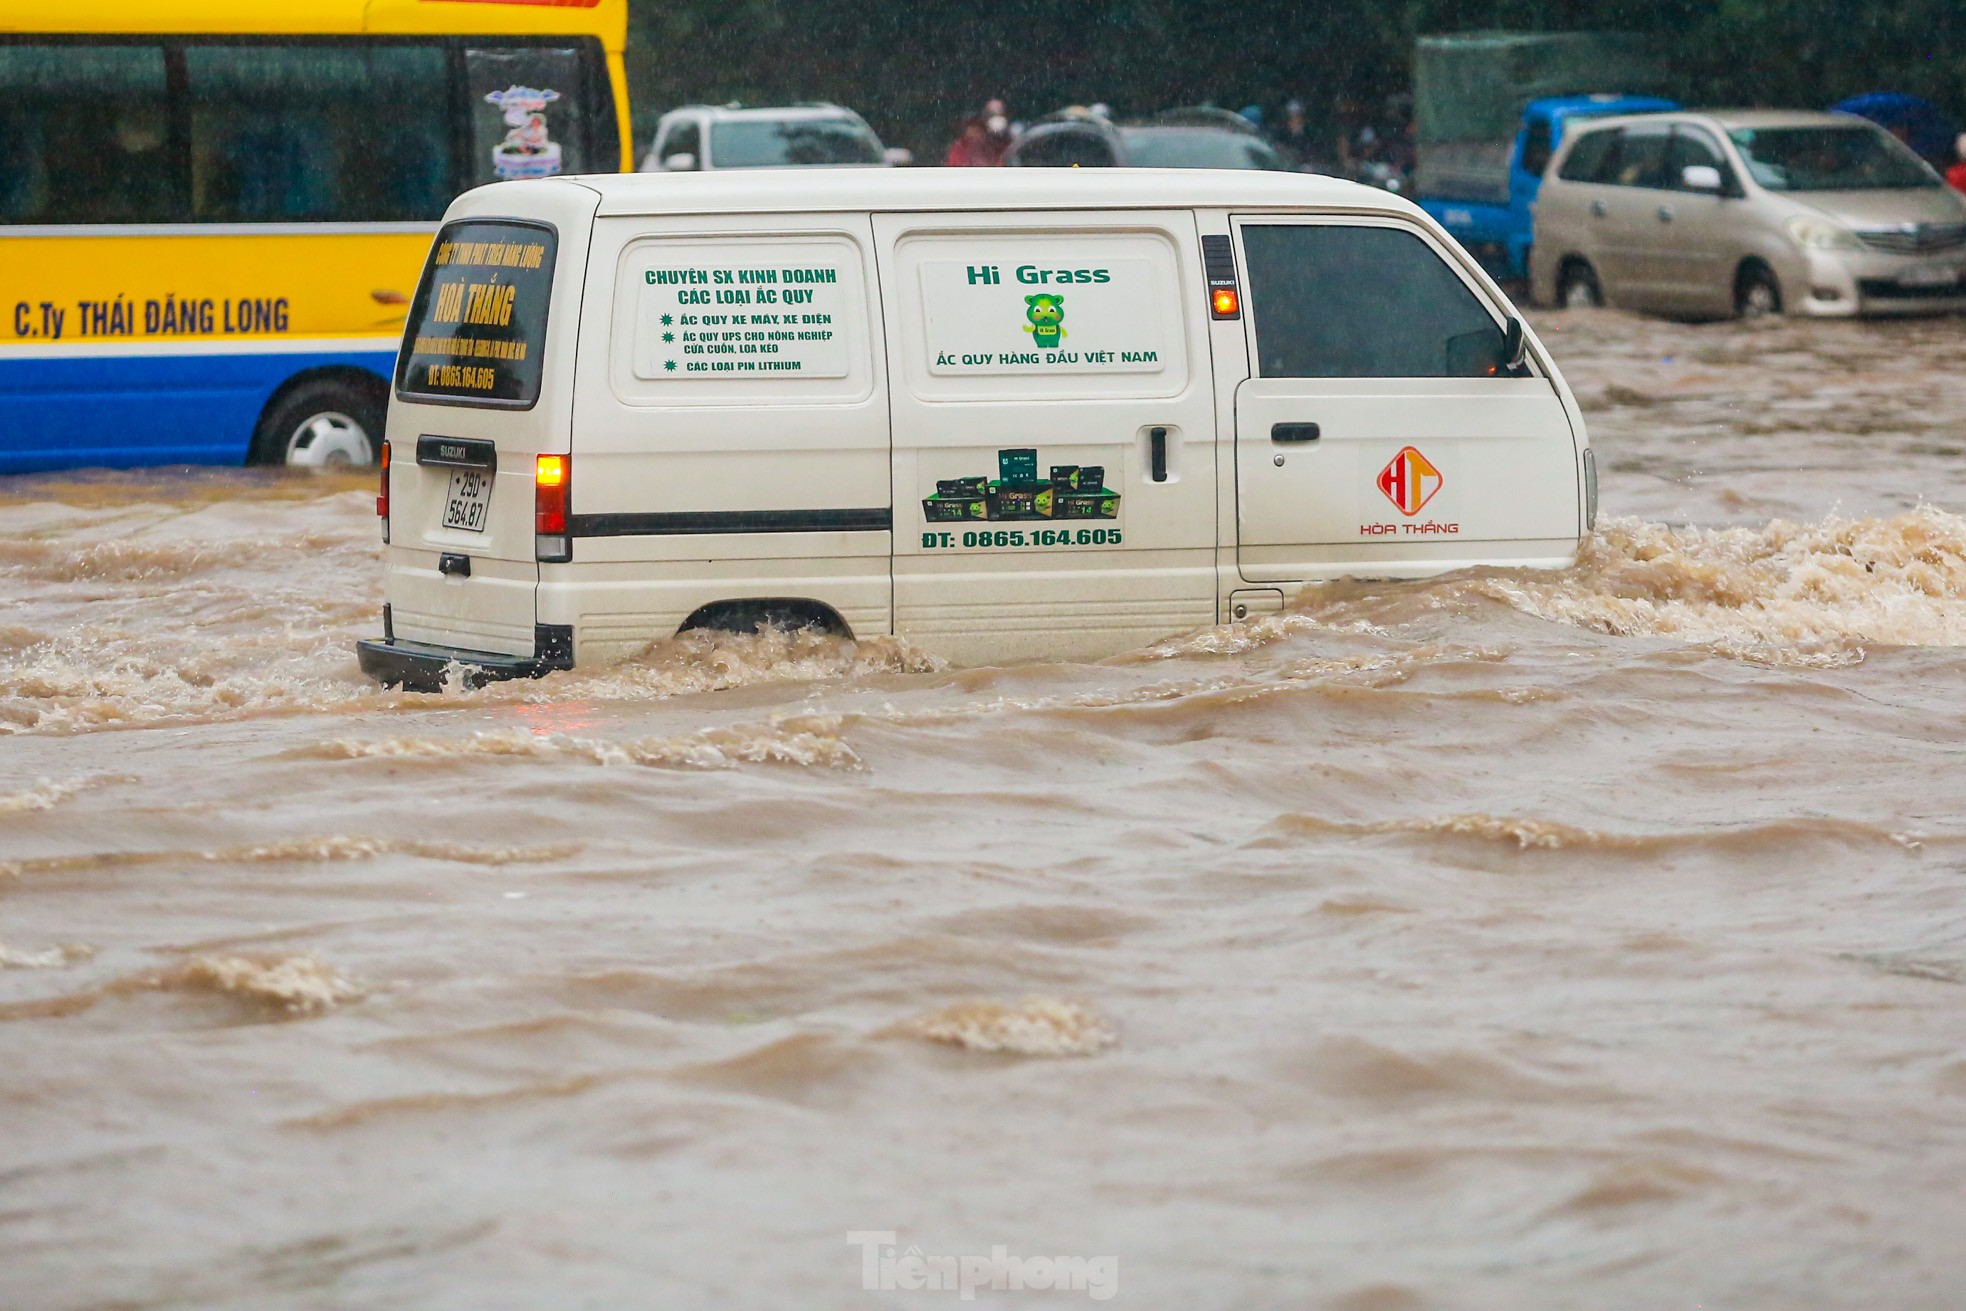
<point x="320" y="424"/>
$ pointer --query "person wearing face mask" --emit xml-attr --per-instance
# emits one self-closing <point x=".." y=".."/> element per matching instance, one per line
<point x="984" y="139"/>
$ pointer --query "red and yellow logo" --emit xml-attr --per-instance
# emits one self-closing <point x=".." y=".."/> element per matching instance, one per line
<point x="1410" y="481"/>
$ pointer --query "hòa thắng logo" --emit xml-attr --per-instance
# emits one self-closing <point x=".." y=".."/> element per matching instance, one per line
<point x="1410" y="481"/>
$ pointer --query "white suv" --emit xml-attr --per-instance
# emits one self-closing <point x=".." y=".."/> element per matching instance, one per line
<point x="798" y="136"/>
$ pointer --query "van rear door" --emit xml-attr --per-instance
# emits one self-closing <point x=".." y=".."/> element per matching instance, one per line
<point x="479" y="397"/>
<point x="1377" y="435"/>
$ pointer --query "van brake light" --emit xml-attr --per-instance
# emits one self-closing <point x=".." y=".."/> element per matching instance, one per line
<point x="382" y="495"/>
<point x="552" y="490"/>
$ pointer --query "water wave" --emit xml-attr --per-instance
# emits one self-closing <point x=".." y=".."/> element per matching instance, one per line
<point x="289" y="985"/>
<point x="1526" y="834"/>
<point x="1040" y="1026"/>
<point x="809" y="740"/>
<point x="1813" y="593"/>
<point x="319" y="849"/>
<point x="49" y="793"/>
<point x="57" y="957"/>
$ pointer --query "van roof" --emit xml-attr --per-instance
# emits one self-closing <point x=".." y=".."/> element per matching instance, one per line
<point x="815" y="189"/>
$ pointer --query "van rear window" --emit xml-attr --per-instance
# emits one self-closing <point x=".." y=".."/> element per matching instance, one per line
<point x="477" y="330"/>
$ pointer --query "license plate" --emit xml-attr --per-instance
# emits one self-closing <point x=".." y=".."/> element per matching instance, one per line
<point x="1928" y="277"/>
<point x="469" y="498"/>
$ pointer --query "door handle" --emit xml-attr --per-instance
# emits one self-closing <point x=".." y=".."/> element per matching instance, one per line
<point x="1597" y="209"/>
<point x="1294" y="432"/>
<point x="1158" y="438"/>
<point x="1665" y="213"/>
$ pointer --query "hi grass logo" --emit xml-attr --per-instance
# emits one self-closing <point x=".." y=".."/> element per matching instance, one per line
<point x="1046" y="313"/>
<point x="1410" y="481"/>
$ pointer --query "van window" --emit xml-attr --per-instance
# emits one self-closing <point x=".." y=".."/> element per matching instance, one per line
<point x="87" y="133"/>
<point x="293" y="133"/>
<point x="477" y="329"/>
<point x="1691" y="147"/>
<point x="1641" y="157"/>
<point x="1587" y="159"/>
<point x="1362" y="302"/>
<point x="528" y="113"/>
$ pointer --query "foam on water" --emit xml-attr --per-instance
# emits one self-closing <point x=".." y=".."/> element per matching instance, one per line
<point x="1818" y="591"/>
<point x="289" y="985"/>
<point x="324" y="849"/>
<point x="811" y="740"/>
<point x="1040" y="1026"/>
<point x="48" y="958"/>
<point x="49" y="793"/>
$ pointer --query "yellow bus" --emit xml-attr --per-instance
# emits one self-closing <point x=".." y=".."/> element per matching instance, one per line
<point x="213" y="212"/>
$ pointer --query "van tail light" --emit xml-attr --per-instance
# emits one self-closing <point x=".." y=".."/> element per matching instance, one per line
<point x="552" y="490"/>
<point x="382" y="495"/>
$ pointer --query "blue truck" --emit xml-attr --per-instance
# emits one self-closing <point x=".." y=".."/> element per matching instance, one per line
<point x="1492" y="213"/>
<point x="1490" y="110"/>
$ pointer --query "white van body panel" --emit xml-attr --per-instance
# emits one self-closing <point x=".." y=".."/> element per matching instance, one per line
<point x="680" y="444"/>
<point x="978" y="382"/>
<point x="934" y="410"/>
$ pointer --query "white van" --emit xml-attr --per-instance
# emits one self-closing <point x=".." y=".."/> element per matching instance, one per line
<point x="1007" y="414"/>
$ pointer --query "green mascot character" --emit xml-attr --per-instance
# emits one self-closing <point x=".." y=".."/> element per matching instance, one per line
<point x="1045" y="313"/>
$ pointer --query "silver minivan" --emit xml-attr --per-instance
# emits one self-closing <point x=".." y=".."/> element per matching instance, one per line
<point x="1747" y="212"/>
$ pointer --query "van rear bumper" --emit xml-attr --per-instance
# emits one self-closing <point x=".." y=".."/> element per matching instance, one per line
<point x="423" y="666"/>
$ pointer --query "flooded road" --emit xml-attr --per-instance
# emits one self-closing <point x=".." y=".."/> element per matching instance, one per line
<point x="1508" y="940"/>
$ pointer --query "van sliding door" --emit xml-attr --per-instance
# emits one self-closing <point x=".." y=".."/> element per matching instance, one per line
<point x="1054" y="418"/>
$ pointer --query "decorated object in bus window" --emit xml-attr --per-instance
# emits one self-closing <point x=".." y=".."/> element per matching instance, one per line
<point x="528" y="150"/>
<point x="528" y="117"/>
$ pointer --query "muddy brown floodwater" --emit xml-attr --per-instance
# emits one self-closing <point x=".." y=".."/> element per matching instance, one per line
<point x="1506" y="940"/>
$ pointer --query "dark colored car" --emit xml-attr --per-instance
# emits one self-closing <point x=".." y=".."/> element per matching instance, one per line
<point x="1085" y="142"/>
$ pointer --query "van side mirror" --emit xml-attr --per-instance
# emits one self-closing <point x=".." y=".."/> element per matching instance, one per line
<point x="680" y="162"/>
<point x="1515" y="346"/>
<point x="1700" y="177"/>
<point x="1486" y="353"/>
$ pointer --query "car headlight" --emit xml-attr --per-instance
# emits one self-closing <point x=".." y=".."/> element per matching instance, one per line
<point x="1821" y="234"/>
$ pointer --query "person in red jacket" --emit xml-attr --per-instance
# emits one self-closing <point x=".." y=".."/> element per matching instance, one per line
<point x="1956" y="175"/>
<point x="984" y="139"/>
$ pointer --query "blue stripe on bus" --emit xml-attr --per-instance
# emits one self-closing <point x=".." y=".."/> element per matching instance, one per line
<point x="127" y="411"/>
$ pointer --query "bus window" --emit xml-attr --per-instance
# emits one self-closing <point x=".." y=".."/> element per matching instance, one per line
<point x="87" y="133"/>
<point x="528" y="113"/>
<point x="318" y="133"/>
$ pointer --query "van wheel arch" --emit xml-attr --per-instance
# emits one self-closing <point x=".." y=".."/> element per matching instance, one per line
<point x="341" y="391"/>
<point x="756" y="614"/>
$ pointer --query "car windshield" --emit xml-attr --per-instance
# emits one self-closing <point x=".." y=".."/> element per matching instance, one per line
<point x="1177" y="147"/>
<point x="777" y="143"/>
<point x="1829" y="159"/>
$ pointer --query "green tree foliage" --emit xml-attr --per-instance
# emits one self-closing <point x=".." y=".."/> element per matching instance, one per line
<point x="915" y="67"/>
